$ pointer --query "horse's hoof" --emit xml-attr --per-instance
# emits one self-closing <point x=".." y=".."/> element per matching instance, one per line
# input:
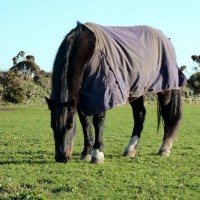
<point x="129" y="153"/>
<point x="86" y="157"/>
<point x="97" y="161"/>
<point x="97" y="157"/>
<point x="164" y="152"/>
<point x="133" y="145"/>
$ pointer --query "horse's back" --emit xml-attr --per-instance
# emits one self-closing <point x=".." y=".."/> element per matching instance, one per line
<point x="128" y="62"/>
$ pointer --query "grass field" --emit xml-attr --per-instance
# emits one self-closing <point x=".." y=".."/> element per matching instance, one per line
<point x="28" y="169"/>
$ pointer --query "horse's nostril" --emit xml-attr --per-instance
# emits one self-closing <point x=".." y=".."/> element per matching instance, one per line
<point x="61" y="159"/>
<point x="66" y="159"/>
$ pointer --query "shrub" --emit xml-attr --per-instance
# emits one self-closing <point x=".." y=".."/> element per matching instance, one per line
<point x="17" y="87"/>
<point x="13" y="87"/>
<point x="194" y="82"/>
<point x="43" y="79"/>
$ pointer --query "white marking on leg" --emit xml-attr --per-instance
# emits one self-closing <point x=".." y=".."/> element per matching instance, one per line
<point x="167" y="144"/>
<point x="132" y="146"/>
<point x="97" y="156"/>
<point x="133" y="142"/>
<point x="165" y="148"/>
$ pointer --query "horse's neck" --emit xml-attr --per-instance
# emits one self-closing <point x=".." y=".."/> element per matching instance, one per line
<point x="81" y="53"/>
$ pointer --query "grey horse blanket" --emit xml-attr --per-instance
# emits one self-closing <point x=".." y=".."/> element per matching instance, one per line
<point x="127" y="62"/>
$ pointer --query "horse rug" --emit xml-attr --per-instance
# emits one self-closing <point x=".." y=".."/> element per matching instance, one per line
<point x="127" y="63"/>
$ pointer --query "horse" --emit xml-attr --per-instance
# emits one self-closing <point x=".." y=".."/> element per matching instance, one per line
<point x="98" y="68"/>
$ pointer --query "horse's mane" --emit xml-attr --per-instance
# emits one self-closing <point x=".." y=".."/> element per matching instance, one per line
<point x="60" y="67"/>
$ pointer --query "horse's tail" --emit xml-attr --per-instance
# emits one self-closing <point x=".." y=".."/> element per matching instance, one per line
<point x="173" y="109"/>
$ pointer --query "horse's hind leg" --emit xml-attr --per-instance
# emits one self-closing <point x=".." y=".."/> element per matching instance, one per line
<point x="139" y="113"/>
<point x="97" y="153"/>
<point x="86" y="122"/>
<point x="171" y="111"/>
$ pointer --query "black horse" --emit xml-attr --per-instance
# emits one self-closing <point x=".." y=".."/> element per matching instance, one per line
<point x="97" y="68"/>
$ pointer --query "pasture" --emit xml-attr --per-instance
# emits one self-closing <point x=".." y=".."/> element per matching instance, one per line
<point x="28" y="169"/>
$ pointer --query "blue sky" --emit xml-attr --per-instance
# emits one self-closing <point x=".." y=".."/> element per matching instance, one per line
<point x="38" y="26"/>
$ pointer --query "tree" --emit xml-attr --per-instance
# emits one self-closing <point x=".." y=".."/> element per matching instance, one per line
<point x="196" y="59"/>
<point x="182" y="68"/>
<point x="26" y="65"/>
<point x="194" y="80"/>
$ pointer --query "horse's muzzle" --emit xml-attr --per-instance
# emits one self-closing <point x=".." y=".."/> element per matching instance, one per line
<point x="62" y="159"/>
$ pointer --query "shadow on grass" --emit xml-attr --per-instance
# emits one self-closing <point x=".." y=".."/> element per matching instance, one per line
<point x="26" y="157"/>
<point x="19" y="162"/>
<point x="43" y="157"/>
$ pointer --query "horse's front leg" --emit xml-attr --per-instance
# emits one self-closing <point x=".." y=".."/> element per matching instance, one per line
<point x="139" y="113"/>
<point x="97" y="153"/>
<point x="86" y="123"/>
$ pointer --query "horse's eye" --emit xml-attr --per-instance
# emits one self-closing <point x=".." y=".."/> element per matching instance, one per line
<point x="69" y="123"/>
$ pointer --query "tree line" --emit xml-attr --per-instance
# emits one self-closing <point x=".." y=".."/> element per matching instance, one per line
<point x="25" y="82"/>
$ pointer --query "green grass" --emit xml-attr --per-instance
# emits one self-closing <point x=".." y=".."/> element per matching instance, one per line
<point x="28" y="169"/>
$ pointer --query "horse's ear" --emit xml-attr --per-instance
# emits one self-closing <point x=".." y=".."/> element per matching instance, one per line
<point x="50" y="103"/>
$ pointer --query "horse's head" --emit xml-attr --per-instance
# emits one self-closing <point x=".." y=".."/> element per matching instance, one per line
<point x="74" y="52"/>
<point x="63" y="124"/>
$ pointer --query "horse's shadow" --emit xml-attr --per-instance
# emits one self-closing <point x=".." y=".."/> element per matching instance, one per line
<point x="37" y="158"/>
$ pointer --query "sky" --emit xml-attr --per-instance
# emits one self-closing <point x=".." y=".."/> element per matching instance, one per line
<point x="39" y="26"/>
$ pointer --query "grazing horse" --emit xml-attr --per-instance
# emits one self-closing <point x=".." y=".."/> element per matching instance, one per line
<point x="100" y="67"/>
